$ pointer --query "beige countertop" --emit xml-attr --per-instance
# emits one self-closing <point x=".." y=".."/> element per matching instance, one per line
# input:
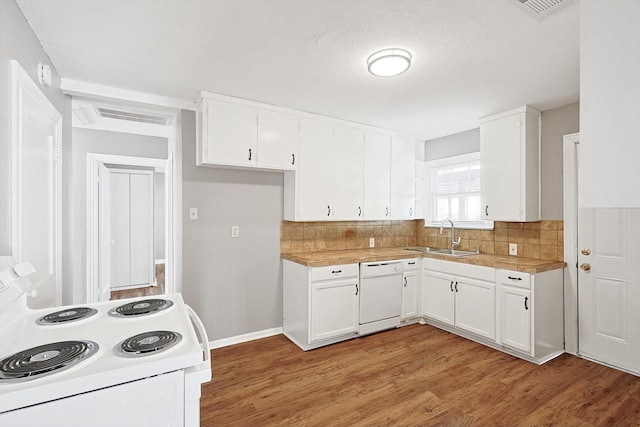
<point x="350" y="256"/>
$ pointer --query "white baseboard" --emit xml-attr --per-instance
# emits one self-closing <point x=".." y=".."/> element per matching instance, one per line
<point x="224" y="342"/>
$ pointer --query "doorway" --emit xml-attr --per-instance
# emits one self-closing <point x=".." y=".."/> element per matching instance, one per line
<point x="130" y="212"/>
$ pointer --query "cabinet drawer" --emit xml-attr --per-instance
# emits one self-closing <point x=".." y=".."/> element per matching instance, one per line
<point x="514" y="278"/>
<point x="410" y="264"/>
<point x="334" y="272"/>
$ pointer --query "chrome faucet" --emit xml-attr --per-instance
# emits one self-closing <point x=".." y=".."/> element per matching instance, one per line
<point x="454" y="243"/>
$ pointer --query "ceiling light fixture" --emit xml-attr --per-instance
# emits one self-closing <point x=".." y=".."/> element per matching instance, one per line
<point x="389" y="62"/>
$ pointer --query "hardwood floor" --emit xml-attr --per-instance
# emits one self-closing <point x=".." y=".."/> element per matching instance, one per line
<point x="146" y="291"/>
<point x="413" y="376"/>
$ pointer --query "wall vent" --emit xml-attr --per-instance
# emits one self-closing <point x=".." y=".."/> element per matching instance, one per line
<point x="542" y="9"/>
<point x="140" y="117"/>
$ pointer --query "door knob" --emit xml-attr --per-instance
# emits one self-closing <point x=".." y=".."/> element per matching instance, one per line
<point x="585" y="266"/>
<point x="586" y="251"/>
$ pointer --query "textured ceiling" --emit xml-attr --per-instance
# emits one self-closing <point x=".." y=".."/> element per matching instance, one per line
<point x="471" y="57"/>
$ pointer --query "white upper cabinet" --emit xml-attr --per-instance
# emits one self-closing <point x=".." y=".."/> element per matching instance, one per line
<point x="229" y="134"/>
<point x="377" y="176"/>
<point x="277" y="140"/>
<point x="402" y="178"/>
<point x="312" y="182"/>
<point x="243" y="136"/>
<point x="348" y="189"/>
<point x="509" y="151"/>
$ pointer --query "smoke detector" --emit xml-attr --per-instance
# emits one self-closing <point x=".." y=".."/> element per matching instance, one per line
<point x="542" y="9"/>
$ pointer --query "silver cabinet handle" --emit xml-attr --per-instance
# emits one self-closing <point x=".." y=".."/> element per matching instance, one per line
<point x="386" y="211"/>
<point x="359" y="211"/>
<point x="405" y="282"/>
<point x="410" y="211"/>
<point x="486" y="210"/>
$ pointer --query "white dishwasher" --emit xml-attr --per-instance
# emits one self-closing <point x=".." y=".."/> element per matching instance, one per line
<point x="380" y="296"/>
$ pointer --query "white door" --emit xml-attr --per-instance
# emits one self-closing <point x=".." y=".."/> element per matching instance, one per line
<point x="377" y="176"/>
<point x="403" y="162"/>
<point x="609" y="286"/>
<point x="277" y="140"/>
<point x="314" y="173"/>
<point x="334" y="309"/>
<point x="37" y="186"/>
<point x="438" y="296"/>
<point x="475" y="306"/>
<point x="348" y="154"/>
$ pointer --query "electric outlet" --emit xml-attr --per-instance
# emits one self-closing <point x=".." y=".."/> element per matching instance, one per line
<point x="235" y="231"/>
<point x="513" y="249"/>
<point x="193" y="214"/>
<point x="372" y="242"/>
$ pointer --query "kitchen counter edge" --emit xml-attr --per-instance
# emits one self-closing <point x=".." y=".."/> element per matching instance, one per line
<point x="352" y="256"/>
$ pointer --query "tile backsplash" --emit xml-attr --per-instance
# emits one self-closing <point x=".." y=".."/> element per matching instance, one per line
<point x="538" y="240"/>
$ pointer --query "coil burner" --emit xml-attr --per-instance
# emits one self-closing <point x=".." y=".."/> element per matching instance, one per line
<point x="148" y="343"/>
<point x="141" y="308"/>
<point x="65" y="316"/>
<point x="46" y="359"/>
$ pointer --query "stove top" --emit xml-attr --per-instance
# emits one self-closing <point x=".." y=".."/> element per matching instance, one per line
<point x="45" y="359"/>
<point x="67" y="315"/>
<point x="148" y="343"/>
<point x="141" y="308"/>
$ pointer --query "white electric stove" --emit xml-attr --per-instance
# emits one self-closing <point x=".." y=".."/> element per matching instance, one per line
<point x="134" y="361"/>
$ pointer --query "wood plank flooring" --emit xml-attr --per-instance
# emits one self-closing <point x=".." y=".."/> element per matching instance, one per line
<point x="413" y="376"/>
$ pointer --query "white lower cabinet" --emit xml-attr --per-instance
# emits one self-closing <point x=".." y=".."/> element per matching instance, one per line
<point x="468" y="303"/>
<point x="530" y="313"/>
<point x="320" y="304"/>
<point x="410" y="288"/>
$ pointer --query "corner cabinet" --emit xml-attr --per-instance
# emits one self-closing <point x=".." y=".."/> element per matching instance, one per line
<point x="509" y="152"/>
<point x="530" y="313"/>
<point x="236" y="135"/>
<point x="320" y="304"/>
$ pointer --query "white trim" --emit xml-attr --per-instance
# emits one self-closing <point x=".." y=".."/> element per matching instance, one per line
<point x="93" y="254"/>
<point x="93" y="90"/>
<point x="20" y="82"/>
<point x="238" y="339"/>
<point x="570" y="215"/>
<point x="303" y="114"/>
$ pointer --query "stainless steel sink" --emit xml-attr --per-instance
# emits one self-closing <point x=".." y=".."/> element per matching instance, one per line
<point x="440" y="251"/>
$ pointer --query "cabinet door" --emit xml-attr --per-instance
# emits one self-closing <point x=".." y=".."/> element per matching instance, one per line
<point x="277" y="140"/>
<point x="231" y="133"/>
<point x="438" y="296"/>
<point x="348" y="157"/>
<point x="515" y="313"/>
<point x="314" y="172"/>
<point x="377" y="176"/>
<point x="500" y="151"/>
<point x="410" y="295"/>
<point x="476" y="306"/>
<point x="334" y="309"/>
<point x="402" y="178"/>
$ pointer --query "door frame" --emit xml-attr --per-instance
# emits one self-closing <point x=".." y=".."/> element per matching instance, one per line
<point x="570" y="213"/>
<point x="21" y="82"/>
<point x="94" y="161"/>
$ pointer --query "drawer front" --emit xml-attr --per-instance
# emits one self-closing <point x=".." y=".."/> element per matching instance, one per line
<point x="514" y="278"/>
<point x="331" y="272"/>
<point x="410" y="264"/>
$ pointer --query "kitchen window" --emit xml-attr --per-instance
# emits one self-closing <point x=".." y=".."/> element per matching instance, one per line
<point x="453" y="187"/>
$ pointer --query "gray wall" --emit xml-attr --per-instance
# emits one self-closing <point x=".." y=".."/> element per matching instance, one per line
<point x="234" y="284"/>
<point x="18" y="42"/>
<point x="453" y="145"/>
<point x="103" y="142"/>
<point x="556" y="123"/>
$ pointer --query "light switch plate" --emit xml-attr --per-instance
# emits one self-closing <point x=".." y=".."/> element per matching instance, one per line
<point x="235" y="231"/>
<point x="193" y="214"/>
<point x="513" y="249"/>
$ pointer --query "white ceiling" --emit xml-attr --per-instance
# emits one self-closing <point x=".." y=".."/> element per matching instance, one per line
<point x="472" y="58"/>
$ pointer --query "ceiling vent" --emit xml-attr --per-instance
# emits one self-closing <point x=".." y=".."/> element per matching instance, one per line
<point x="154" y="119"/>
<point x="542" y="9"/>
